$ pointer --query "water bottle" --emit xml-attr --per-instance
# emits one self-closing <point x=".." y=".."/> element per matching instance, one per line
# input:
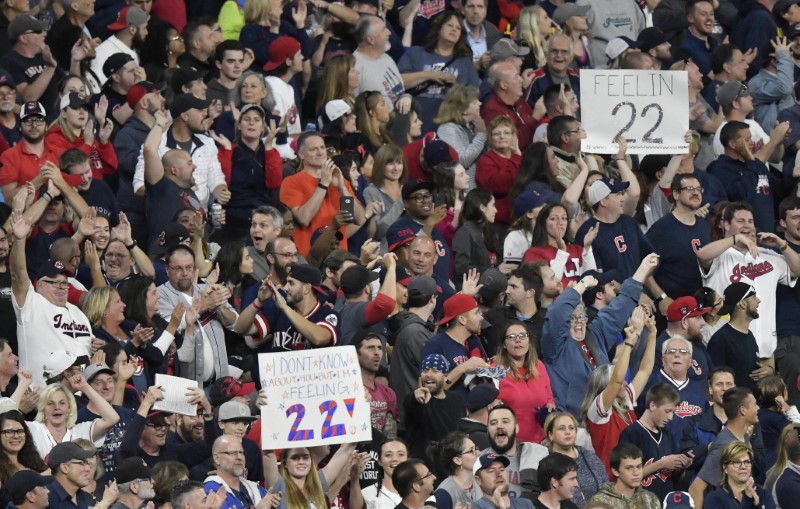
<point x="216" y="215"/>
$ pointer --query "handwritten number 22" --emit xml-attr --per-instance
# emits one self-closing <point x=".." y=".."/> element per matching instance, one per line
<point x="327" y="408"/>
<point x="647" y="138"/>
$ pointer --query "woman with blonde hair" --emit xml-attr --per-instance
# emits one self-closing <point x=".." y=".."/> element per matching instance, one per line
<point x="74" y="128"/>
<point x="737" y="489"/>
<point x="339" y="81"/>
<point x="561" y="430"/>
<point x="57" y="414"/>
<point x="372" y="114"/>
<point x="389" y="173"/>
<point x="461" y="126"/>
<point x="302" y="485"/>
<point x="533" y="29"/>
<point x="165" y="475"/>
<point x="262" y="25"/>
<point x="526" y="386"/>
<point x="105" y="309"/>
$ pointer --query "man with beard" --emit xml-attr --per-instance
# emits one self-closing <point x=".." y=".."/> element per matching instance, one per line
<point x="677" y="236"/>
<point x="188" y="428"/>
<point x="459" y="344"/>
<point x="522" y="296"/>
<point x="685" y="319"/>
<point x="201" y="36"/>
<point x="130" y="29"/>
<point x="383" y="401"/>
<point x="653" y="42"/>
<point x="123" y="73"/>
<point x="23" y="162"/>
<point x="144" y="101"/>
<point x="9" y="128"/>
<point x="294" y="321"/>
<point x="734" y="344"/>
<point x="676" y="362"/>
<point x="662" y="457"/>
<point x="265" y="225"/>
<point x="737" y="258"/>
<point x="69" y="464"/>
<point x="523" y="457"/>
<point x="147" y="432"/>
<point x="169" y="180"/>
<point x="101" y="378"/>
<point x="492" y="478"/>
<point x="337" y="261"/>
<point x="235" y="420"/>
<point x="134" y="484"/>
<point x="228" y="456"/>
<point x="280" y="254"/>
<point x="430" y="411"/>
<point x="551" y="285"/>
<point x="203" y="356"/>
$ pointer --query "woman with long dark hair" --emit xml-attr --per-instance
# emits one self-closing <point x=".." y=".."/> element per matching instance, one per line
<point x="17" y="450"/>
<point x="339" y="81"/>
<point x="383" y="495"/>
<point x="474" y="244"/>
<point x="452" y="182"/>
<point x="161" y="50"/>
<point x="455" y="454"/>
<point x="235" y="270"/>
<point x="526" y="386"/>
<point x="446" y="50"/>
<point x="552" y="243"/>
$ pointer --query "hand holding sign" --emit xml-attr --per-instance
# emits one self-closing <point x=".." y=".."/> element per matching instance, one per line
<point x="650" y="109"/>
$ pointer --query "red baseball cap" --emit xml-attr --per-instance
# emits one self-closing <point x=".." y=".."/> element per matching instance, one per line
<point x="281" y="49"/>
<point x="684" y="307"/>
<point x="141" y="89"/>
<point x="456" y="305"/>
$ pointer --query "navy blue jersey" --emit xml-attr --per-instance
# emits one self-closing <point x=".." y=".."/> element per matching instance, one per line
<point x="442" y="267"/>
<point x="677" y="244"/>
<point x="113" y="439"/>
<point x="694" y="400"/>
<point x="619" y="247"/>
<point x="787" y="314"/>
<point x="455" y="352"/>
<point x="285" y="337"/>
<point x="653" y="449"/>
<point x="729" y="347"/>
<point x="701" y="360"/>
<point x="748" y="181"/>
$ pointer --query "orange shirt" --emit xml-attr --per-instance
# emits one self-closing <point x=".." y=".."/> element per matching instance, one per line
<point x="295" y="192"/>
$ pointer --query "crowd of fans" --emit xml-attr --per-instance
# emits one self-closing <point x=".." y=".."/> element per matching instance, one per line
<point x="189" y="184"/>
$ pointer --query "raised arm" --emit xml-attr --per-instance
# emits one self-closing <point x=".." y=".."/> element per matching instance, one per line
<point x="632" y="334"/>
<point x="50" y="171"/>
<point x="648" y="359"/>
<point x="108" y="416"/>
<point x="20" y="283"/>
<point x="123" y="233"/>
<point x="712" y="250"/>
<point x="339" y="461"/>
<point x="153" y="168"/>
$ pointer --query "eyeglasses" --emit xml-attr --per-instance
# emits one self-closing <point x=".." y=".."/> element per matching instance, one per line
<point x="287" y="255"/>
<point x="56" y="284"/>
<point x="157" y="426"/>
<point x="175" y="38"/>
<point x="112" y="254"/>
<point x="33" y="121"/>
<point x="429" y="474"/>
<point x="232" y="453"/>
<point x="10" y="93"/>
<point x="474" y="450"/>
<point x="682" y="351"/>
<point x="422" y="197"/>
<point x="182" y="270"/>
<point x="518" y="336"/>
<point x="691" y="189"/>
<point x="82" y="463"/>
<point x="502" y="133"/>
<point x="11" y="433"/>
<point x="741" y="463"/>
<point x="579" y="318"/>
<point x="556" y="51"/>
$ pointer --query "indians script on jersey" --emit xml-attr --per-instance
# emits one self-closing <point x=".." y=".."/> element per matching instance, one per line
<point x="71" y="328"/>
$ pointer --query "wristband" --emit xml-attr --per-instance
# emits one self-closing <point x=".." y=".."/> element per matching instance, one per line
<point x="131" y="245"/>
<point x="785" y="246"/>
<point x="629" y="344"/>
<point x="257" y="306"/>
<point x="324" y="188"/>
<point x="161" y="126"/>
<point x="734" y="239"/>
<point x="660" y="298"/>
<point x="48" y="196"/>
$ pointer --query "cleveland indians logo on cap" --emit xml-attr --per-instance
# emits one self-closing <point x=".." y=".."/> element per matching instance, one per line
<point x="59" y="265"/>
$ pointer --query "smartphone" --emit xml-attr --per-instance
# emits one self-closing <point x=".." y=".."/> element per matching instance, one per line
<point x="347" y="204"/>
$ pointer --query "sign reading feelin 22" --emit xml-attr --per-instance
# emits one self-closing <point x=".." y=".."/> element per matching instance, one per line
<point x="315" y="397"/>
<point x="649" y="108"/>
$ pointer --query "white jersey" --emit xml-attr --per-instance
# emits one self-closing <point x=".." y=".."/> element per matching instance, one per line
<point x="45" y="442"/>
<point x="765" y="272"/>
<point x="43" y="327"/>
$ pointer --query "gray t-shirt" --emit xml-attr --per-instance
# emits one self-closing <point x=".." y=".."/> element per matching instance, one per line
<point x="380" y="75"/>
<point x="711" y="472"/>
